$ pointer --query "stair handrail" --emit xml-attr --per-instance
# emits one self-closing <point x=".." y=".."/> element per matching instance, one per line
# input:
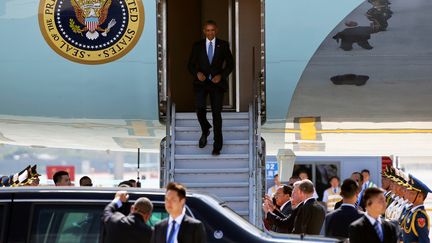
<point x="259" y="143"/>
<point x="167" y="147"/>
<point x="172" y="143"/>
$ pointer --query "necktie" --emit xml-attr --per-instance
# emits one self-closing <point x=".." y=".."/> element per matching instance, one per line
<point x="171" y="234"/>
<point x="210" y="52"/>
<point x="210" y="55"/>
<point x="334" y="190"/>
<point x="378" y="230"/>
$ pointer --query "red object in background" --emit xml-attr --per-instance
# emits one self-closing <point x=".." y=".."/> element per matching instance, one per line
<point x="51" y="170"/>
<point x="385" y="160"/>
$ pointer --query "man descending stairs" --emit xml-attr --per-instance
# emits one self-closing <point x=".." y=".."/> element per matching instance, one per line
<point x="227" y="175"/>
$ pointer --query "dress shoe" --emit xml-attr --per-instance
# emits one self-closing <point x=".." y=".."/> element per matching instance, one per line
<point x="203" y="140"/>
<point x="216" y="152"/>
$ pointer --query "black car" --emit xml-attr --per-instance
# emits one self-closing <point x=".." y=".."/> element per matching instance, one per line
<point x="73" y="215"/>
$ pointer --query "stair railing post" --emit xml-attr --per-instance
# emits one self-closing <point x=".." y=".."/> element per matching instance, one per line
<point x="172" y="143"/>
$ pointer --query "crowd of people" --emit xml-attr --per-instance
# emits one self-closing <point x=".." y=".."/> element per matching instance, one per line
<point x="358" y="209"/>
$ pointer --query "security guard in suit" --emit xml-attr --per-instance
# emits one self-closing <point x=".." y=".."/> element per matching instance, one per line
<point x="416" y="223"/>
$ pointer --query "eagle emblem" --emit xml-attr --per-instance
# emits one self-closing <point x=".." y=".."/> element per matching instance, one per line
<point x="91" y="14"/>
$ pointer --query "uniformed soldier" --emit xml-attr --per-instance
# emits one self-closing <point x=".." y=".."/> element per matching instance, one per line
<point x="396" y="199"/>
<point x="26" y="177"/>
<point x="416" y="223"/>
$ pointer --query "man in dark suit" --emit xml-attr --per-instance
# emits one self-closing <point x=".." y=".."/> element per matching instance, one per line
<point x="283" y="207"/>
<point x="337" y="222"/>
<point x="371" y="227"/>
<point x="127" y="229"/>
<point x="178" y="228"/>
<point x="307" y="216"/>
<point x="311" y="214"/>
<point x="210" y="63"/>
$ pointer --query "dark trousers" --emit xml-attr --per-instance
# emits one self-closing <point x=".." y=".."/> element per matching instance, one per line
<point x="216" y="99"/>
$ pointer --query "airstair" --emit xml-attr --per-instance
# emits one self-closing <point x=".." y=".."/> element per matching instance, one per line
<point x="235" y="176"/>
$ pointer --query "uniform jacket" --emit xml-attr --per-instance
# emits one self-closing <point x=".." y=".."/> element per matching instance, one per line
<point x="416" y="226"/>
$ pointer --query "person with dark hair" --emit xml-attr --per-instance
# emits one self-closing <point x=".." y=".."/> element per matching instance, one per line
<point x="371" y="227"/>
<point x="416" y="224"/>
<point x="178" y="228"/>
<point x="210" y="63"/>
<point x="332" y="195"/>
<point x="131" y="228"/>
<point x="61" y="178"/>
<point x="133" y="182"/>
<point x="303" y="175"/>
<point x="337" y="222"/>
<point x="283" y="223"/>
<point x="277" y="183"/>
<point x="358" y="177"/>
<point x="293" y="179"/>
<point x="366" y="180"/>
<point x="281" y="207"/>
<point x="125" y="184"/>
<point x="85" y="181"/>
<point x="366" y="184"/>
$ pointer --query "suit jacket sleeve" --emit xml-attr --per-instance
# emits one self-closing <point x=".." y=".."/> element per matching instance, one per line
<point x="355" y="234"/>
<point x="279" y="213"/>
<point x="229" y="62"/>
<point x="327" y="231"/>
<point x="109" y="211"/>
<point x="302" y="220"/>
<point x="157" y="234"/>
<point x="200" y="234"/>
<point x="278" y="221"/>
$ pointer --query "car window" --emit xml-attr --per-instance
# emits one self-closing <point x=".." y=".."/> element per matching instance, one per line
<point x="66" y="224"/>
<point x="159" y="213"/>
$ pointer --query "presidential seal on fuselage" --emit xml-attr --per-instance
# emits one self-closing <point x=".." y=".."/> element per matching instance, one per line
<point x="91" y="31"/>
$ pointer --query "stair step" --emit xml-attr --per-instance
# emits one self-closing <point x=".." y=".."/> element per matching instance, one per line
<point x="225" y="115"/>
<point x="228" y="148"/>
<point x="235" y="199"/>
<point x="211" y="178"/>
<point x="228" y="142"/>
<point x="225" y="185"/>
<point x="238" y="206"/>
<point x="221" y="191"/>
<point x="211" y="171"/>
<point x="212" y="157"/>
<point x="243" y="213"/>
<point x="211" y="164"/>
<point x="193" y="122"/>
<point x="227" y="135"/>
<point x="224" y="129"/>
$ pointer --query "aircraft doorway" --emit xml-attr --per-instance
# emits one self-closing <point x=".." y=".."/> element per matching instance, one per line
<point x="180" y="25"/>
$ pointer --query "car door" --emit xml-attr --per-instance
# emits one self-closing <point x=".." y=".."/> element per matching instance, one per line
<point x="66" y="222"/>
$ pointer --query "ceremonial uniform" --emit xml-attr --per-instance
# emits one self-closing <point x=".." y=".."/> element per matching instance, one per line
<point x="416" y="226"/>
